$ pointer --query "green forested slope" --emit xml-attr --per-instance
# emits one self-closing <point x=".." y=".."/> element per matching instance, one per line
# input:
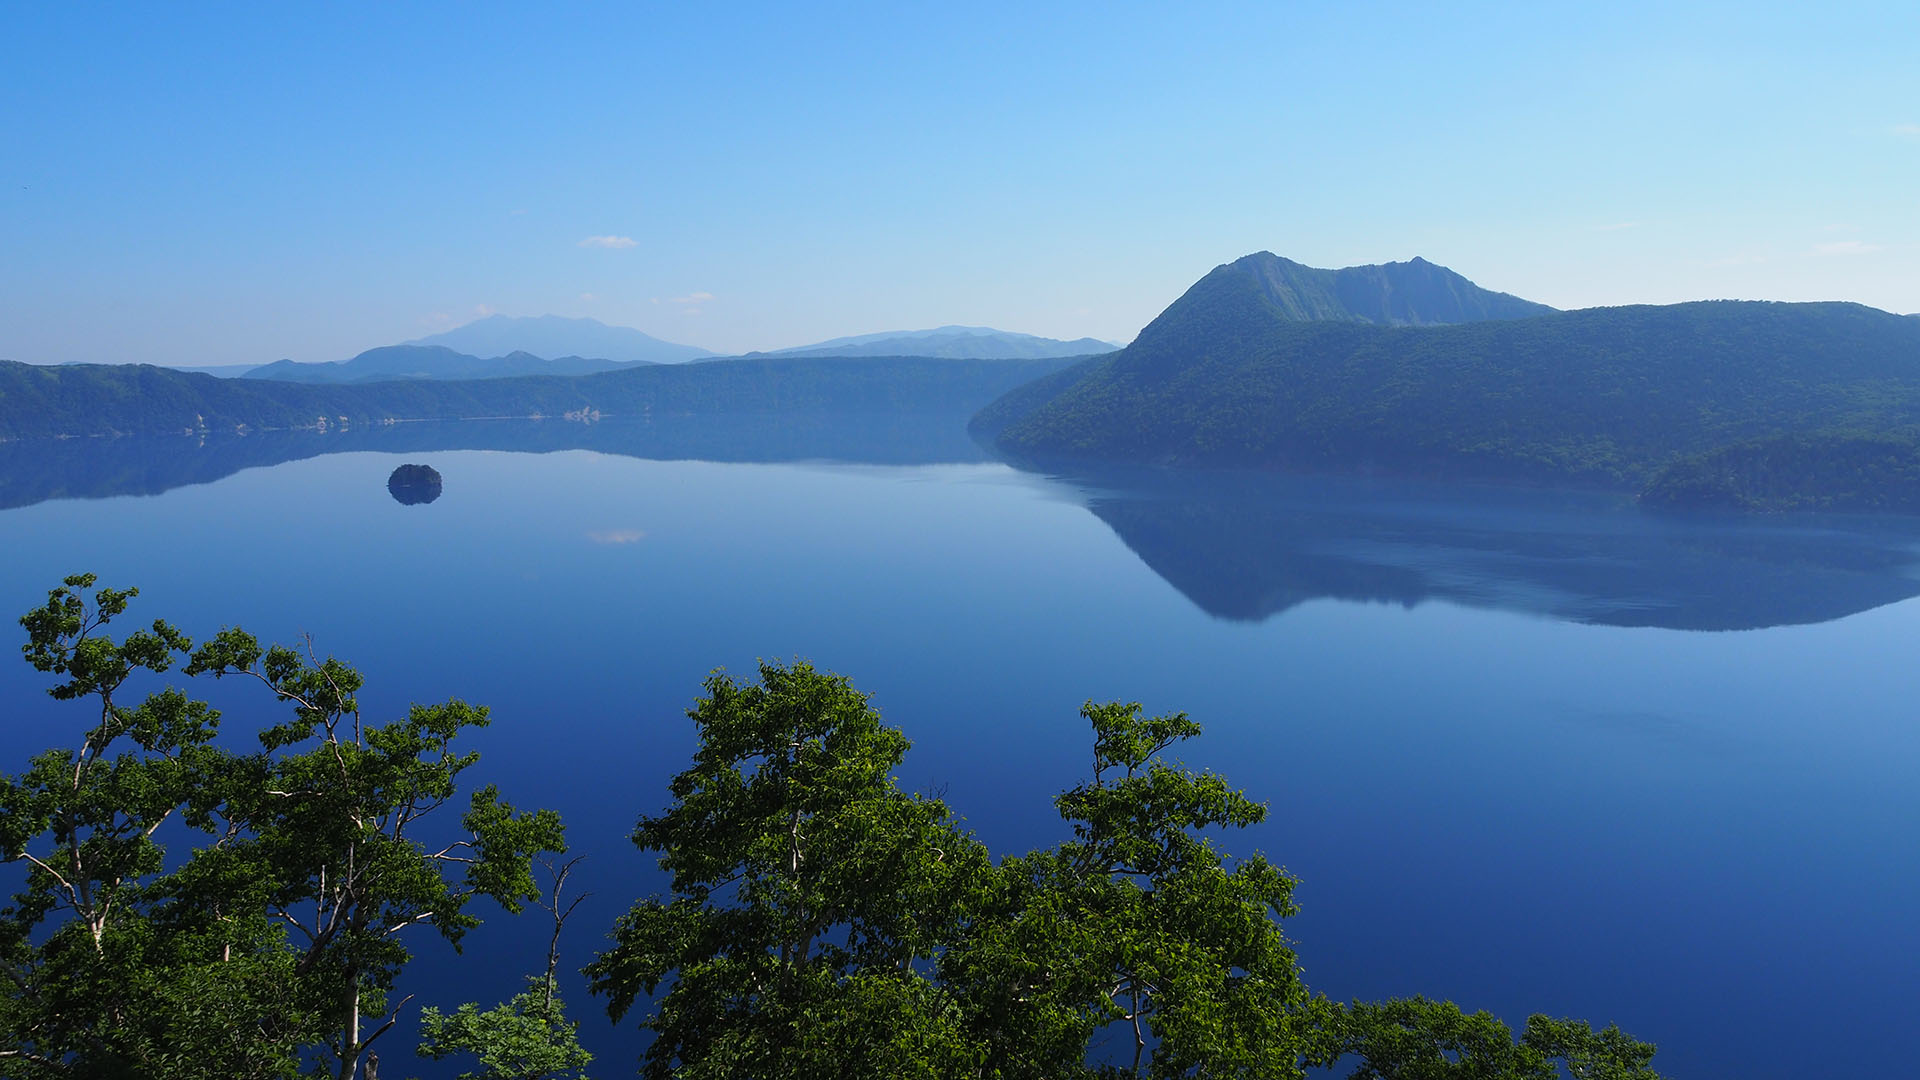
<point x="1608" y="395"/>
<point x="1877" y="470"/>
<point x="97" y="400"/>
<point x="1411" y="293"/>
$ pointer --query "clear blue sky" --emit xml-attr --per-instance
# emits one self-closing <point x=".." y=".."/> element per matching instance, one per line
<point x="200" y="184"/>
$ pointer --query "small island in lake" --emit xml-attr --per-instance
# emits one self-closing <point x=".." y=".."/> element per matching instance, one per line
<point x="411" y="485"/>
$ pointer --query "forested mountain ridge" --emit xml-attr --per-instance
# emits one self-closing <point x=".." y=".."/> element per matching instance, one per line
<point x="1412" y="293"/>
<point x="139" y="399"/>
<point x="1603" y="395"/>
<point x="432" y="362"/>
<point x="1236" y="302"/>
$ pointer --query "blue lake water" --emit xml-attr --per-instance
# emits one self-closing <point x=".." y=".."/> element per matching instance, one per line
<point x="1530" y="751"/>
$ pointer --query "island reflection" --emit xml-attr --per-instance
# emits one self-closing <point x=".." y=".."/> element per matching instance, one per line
<point x="33" y="471"/>
<point x="1240" y="546"/>
<point x="1248" y="547"/>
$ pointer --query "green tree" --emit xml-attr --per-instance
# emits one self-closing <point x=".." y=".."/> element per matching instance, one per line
<point x="1138" y="922"/>
<point x="809" y="896"/>
<point x="1417" y="1039"/>
<point x="528" y="1037"/>
<point x="118" y="968"/>
<point x="334" y="819"/>
<point x="276" y="940"/>
<point x="824" y="924"/>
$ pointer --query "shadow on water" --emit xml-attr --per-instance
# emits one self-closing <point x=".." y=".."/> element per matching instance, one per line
<point x="1248" y="547"/>
<point x="37" y="470"/>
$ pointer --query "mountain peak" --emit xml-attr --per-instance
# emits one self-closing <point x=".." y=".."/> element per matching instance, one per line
<point x="559" y="335"/>
<point x="952" y="343"/>
<point x="1412" y="293"/>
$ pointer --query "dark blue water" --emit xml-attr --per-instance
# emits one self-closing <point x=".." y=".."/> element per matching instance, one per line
<point x="1528" y="751"/>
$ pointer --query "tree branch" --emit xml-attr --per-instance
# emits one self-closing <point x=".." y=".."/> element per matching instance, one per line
<point x="72" y="897"/>
<point x="155" y="827"/>
<point x="392" y="1018"/>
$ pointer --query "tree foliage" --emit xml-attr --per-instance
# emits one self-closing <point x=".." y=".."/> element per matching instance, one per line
<point x="272" y="935"/>
<point x="190" y="911"/>
<point x="528" y="1037"/>
<point x="809" y="896"/>
<point x="1139" y="924"/>
<point x="1417" y="1039"/>
<point x="823" y="923"/>
<point x="1826" y="470"/>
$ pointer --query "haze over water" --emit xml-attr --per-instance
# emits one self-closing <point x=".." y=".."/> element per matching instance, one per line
<point x="1505" y="769"/>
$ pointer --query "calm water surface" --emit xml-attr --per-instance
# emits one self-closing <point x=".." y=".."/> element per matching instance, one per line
<point x="1531" y="752"/>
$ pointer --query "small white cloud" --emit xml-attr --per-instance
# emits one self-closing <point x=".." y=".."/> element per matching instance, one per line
<point x="615" y="242"/>
<point x="481" y="311"/>
<point x="1911" y="131"/>
<point x="589" y="296"/>
<point x="616" y="536"/>
<point x="1616" y="226"/>
<point x="692" y="298"/>
<point x="1845" y="247"/>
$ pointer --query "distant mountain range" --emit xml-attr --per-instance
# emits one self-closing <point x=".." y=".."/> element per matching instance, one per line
<point x="391" y="362"/>
<point x="500" y="347"/>
<point x="554" y="335"/>
<point x="496" y="347"/>
<point x="1409" y="367"/>
<point x="951" y="342"/>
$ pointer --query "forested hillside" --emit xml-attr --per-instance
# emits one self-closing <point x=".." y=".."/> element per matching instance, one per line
<point x="1411" y="293"/>
<point x="431" y="362"/>
<point x="1818" y="471"/>
<point x="1605" y="395"/>
<point x="103" y="400"/>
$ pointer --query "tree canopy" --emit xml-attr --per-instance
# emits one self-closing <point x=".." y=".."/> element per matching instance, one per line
<point x="186" y="910"/>
<point x="821" y="922"/>
<point x="193" y="911"/>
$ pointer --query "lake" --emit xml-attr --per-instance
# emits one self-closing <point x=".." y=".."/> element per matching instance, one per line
<point x="1527" y="750"/>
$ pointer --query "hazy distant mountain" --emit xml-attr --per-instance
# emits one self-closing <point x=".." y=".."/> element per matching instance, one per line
<point x="951" y="342"/>
<point x="553" y="335"/>
<point x="429" y="362"/>
<point x="220" y="371"/>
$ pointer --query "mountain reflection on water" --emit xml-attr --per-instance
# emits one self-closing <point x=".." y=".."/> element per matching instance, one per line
<point x="37" y="470"/>
<point x="1240" y="546"/>
<point x="1248" y="547"/>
